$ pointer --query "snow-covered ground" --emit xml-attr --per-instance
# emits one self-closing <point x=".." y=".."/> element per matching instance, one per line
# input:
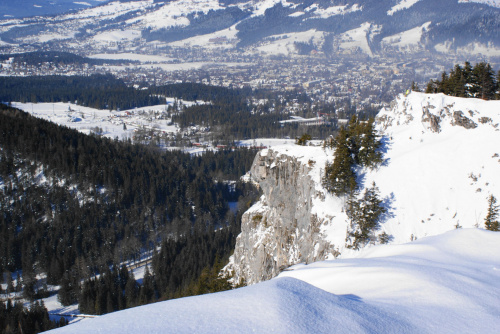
<point x="405" y="38"/>
<point x="284" y="43"/>
<point x="442" y="284"/>
<point x="117" y="35"/>
<point x="431" y="181"/>
<point x="131" y="56"/>
<point x="331" y="11"/>
<point x="227" y="38"/>
<point x="402" y="4"/>
<point x="86" y="120"/>
<point x="477" y="49"/>
<point x="357" y="38"/>
<point x="493" y="3"/>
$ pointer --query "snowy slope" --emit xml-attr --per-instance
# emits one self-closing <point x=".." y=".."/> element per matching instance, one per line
<point x="435" y="180"/>
<point x="431" y="181"/>
<point x="493" y="3"/>
<point x="445" y="284"/>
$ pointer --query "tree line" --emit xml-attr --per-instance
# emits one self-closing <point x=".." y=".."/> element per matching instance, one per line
<point x="477" y="81"/>
<point x="58" y="57"/>
<point x="104" y="91"/>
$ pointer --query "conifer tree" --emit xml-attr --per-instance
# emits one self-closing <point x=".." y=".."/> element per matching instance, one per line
<point x="497" y="95"/>
<point x="369" y="154"/>
<point x="491" y="221"/>
<point x="414" y="87"/>
<point x="340" y="177"/>
<point x="365" y="215"/>
<point x="431" y="87"/>
<point x="483" y="81"/>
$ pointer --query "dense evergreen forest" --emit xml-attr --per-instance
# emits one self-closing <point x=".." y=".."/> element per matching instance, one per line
<point x="468" y="81"/>
<point x="15" y="318"/>
<point x="73" y="206"/>
<point x="57" y="57"/>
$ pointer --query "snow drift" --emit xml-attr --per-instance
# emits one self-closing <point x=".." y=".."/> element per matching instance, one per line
<point x="445" y="284"/>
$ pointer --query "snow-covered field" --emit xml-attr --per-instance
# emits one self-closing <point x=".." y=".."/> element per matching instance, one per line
<point x="442" y="284"/>
<point x="284" y="43"/>
<point x="86" y="120"/>
<point x="493" y="3"/>
<point x="357" y="38"/>
<point x="402" y="4"/>
<point x="131" y="56"/>
<point x="405" y="38"/>
<point x="228" y="34"/>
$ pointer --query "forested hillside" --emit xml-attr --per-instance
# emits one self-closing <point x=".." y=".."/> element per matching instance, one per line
<point x="73" y="205"/>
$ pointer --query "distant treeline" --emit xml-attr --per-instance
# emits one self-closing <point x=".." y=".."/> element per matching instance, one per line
<point x="57" y="57"/>
<point x="107" y="92"/>
<point x="96" y="91"/>
<point x="467" y="81"/>
<point x="105" y="201"/>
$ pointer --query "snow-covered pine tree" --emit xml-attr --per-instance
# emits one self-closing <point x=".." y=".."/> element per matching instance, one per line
<point x="491" y="221"/>
<point x="340" y="177"/>
<point x="369" y="154"/>
<point x="365" y="215"/>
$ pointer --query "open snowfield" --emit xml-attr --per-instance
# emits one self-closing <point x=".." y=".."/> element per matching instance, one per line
<point x="86" y="119"/>
<point x="494" y="3"/>
<point x="405" y="38"/>
<point x="204" y="40"/>
<point x="402" y="4"/>
<point x="118" y="35"/>
<point x="442" y="284"/>
<point x="325" y="13"/>
<point x="430" y="182"/>
<point x="131" y="56"/>
<point x="357" y="38"/>
<point x="284" y="43"/>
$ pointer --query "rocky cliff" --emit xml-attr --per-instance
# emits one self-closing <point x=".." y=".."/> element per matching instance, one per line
<point x="284" y="227"/>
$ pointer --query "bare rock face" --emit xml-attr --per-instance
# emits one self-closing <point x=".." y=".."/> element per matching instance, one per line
<point x="433" y="120"/>
<point x="461" y="120"/>
<point x="279" y="230"/>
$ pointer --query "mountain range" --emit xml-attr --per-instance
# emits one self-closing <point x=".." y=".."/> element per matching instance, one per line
<point x="27" y="8"/>
<point x="366" y="26"/>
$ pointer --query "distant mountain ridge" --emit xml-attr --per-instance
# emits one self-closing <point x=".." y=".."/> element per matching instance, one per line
<point x="366" y="26"/>
<point x="27" y="8"/>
